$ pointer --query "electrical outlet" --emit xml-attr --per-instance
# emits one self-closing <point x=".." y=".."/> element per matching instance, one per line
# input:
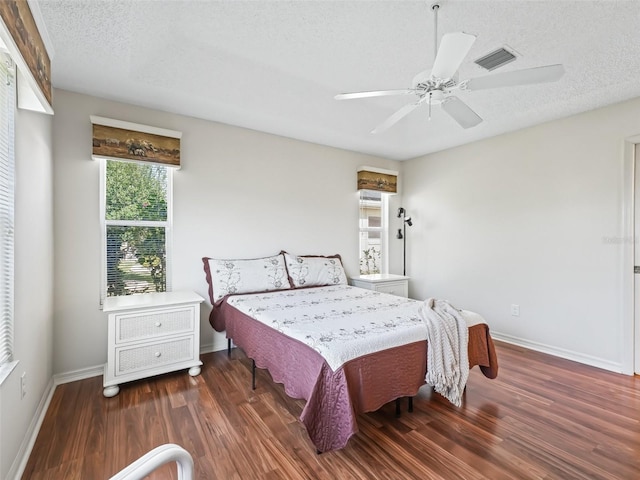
<point x="515" y="310"/>
<point x="23" y="385"/>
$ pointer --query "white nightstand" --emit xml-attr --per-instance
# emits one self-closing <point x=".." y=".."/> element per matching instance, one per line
<point x="383" y="282"/>
<point x="150" y="334"/>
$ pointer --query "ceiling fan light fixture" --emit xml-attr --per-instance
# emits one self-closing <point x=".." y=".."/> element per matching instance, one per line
<point x="496" y="59"/>
<point x="438" y="87"/>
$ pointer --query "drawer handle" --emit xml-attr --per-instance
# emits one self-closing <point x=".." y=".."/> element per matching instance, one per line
<point x="158" y="324"/>
<point x="158" y="354"/>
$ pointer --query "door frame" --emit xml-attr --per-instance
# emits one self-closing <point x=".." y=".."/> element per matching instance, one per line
<point x="630" y="311"/>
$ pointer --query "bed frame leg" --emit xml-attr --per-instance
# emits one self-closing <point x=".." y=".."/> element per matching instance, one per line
<point x="397" y="407"/>
<point x="228" y="347"/>
<point x="253" y="374"/>
<point x="410" y="404"/>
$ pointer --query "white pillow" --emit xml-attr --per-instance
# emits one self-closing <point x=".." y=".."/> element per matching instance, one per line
<point x="315" y="271"/>
<point x="247" y="276"/>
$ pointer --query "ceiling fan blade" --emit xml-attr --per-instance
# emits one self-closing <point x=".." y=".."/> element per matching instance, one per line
<point x="461" y="112"/>
<point x="376" y="93"/>
<point x="549" y="73"/>
<point x="403" y="112"/>
<point x="453" y="49"/>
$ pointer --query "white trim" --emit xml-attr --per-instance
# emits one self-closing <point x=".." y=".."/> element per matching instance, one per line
<point x="630" y="331"/>
<point x="377" y="170"/>
<point x="209" y="348"/>
<point x="29" y="80"/>
<point x="103" y="229"/>
<point x="6" y="369"/>
<point x="138" y="127"/>
<point x="635" y="310"/>
<point x="218" y="344"/>
<point x="20" y="462"/>
<point x="384" y="235"/>
<point x="130" y="160"/>
<point x="138" y="223"/>
<point x="80" y="374"/>
<point x="168" y="232"/>
<point x="27" y="98"/>
<point x="560" y="352"/>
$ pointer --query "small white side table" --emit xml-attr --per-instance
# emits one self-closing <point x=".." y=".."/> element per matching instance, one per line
<point x="150" y="334"/>
<point x="383" y="282"/>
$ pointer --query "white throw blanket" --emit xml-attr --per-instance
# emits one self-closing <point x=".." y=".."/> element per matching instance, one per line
<point x="447" y="354"/>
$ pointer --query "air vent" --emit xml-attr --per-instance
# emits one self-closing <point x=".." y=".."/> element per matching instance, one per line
<point x="496" y="59"/>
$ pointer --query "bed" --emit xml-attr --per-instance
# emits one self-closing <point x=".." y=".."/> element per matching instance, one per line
<point x="345" y="350"/>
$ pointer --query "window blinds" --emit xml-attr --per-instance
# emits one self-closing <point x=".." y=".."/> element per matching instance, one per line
<point x="7" y="105"/>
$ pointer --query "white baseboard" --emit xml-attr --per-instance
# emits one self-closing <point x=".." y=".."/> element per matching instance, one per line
<point x="80" y="374"/>
<point x="214" y="347"/>
<point x="209" y="348"/>
<point x="20" y="463"/>
<point x="560" y="352"/>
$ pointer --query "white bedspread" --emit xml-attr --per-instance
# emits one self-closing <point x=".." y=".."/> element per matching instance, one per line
<point x="340" y="322"/>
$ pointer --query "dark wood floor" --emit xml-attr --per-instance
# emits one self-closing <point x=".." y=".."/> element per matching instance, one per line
<point x="542" y="418"/>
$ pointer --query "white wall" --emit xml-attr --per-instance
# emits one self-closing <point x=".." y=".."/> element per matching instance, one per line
<point x="532" y="218"/>
<point x="33" y="328"/>
<point x="239" y="193"/>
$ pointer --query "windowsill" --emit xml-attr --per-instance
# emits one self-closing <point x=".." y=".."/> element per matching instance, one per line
<point x="6" y="369"/>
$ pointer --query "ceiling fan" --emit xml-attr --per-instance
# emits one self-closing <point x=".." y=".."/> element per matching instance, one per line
<point x="436" y="87"/>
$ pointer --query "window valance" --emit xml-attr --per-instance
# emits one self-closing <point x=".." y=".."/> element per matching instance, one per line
<point x="377" y="179"/>
<point x="115" y="139"/>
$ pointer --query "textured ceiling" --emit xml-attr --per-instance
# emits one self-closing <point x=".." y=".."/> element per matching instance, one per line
<point x="275" y="66"/>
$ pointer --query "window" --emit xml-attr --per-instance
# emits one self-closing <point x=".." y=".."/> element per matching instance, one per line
<point x="373" y="232"/>
<point x="7" y="105"/>
<point x="136" y="227"/>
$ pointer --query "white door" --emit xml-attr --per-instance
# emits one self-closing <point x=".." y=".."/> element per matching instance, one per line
<point x="636" y="249"/>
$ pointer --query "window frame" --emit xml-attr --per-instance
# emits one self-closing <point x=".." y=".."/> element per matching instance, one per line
<point x="104" y="223"/>
<point x="383" y="229"/>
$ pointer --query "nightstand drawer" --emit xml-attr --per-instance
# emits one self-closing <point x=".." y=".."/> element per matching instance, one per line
<point x="398" y="288"/>
<point x="153" y="355"/>
<point x="151" y="324"/>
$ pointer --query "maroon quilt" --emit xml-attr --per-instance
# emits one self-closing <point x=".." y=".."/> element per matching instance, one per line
<point x="335" y="398"/>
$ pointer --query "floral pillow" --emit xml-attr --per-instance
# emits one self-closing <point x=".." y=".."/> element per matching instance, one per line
<point x="246" y="276"/>
<point x="310" y="271"/>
